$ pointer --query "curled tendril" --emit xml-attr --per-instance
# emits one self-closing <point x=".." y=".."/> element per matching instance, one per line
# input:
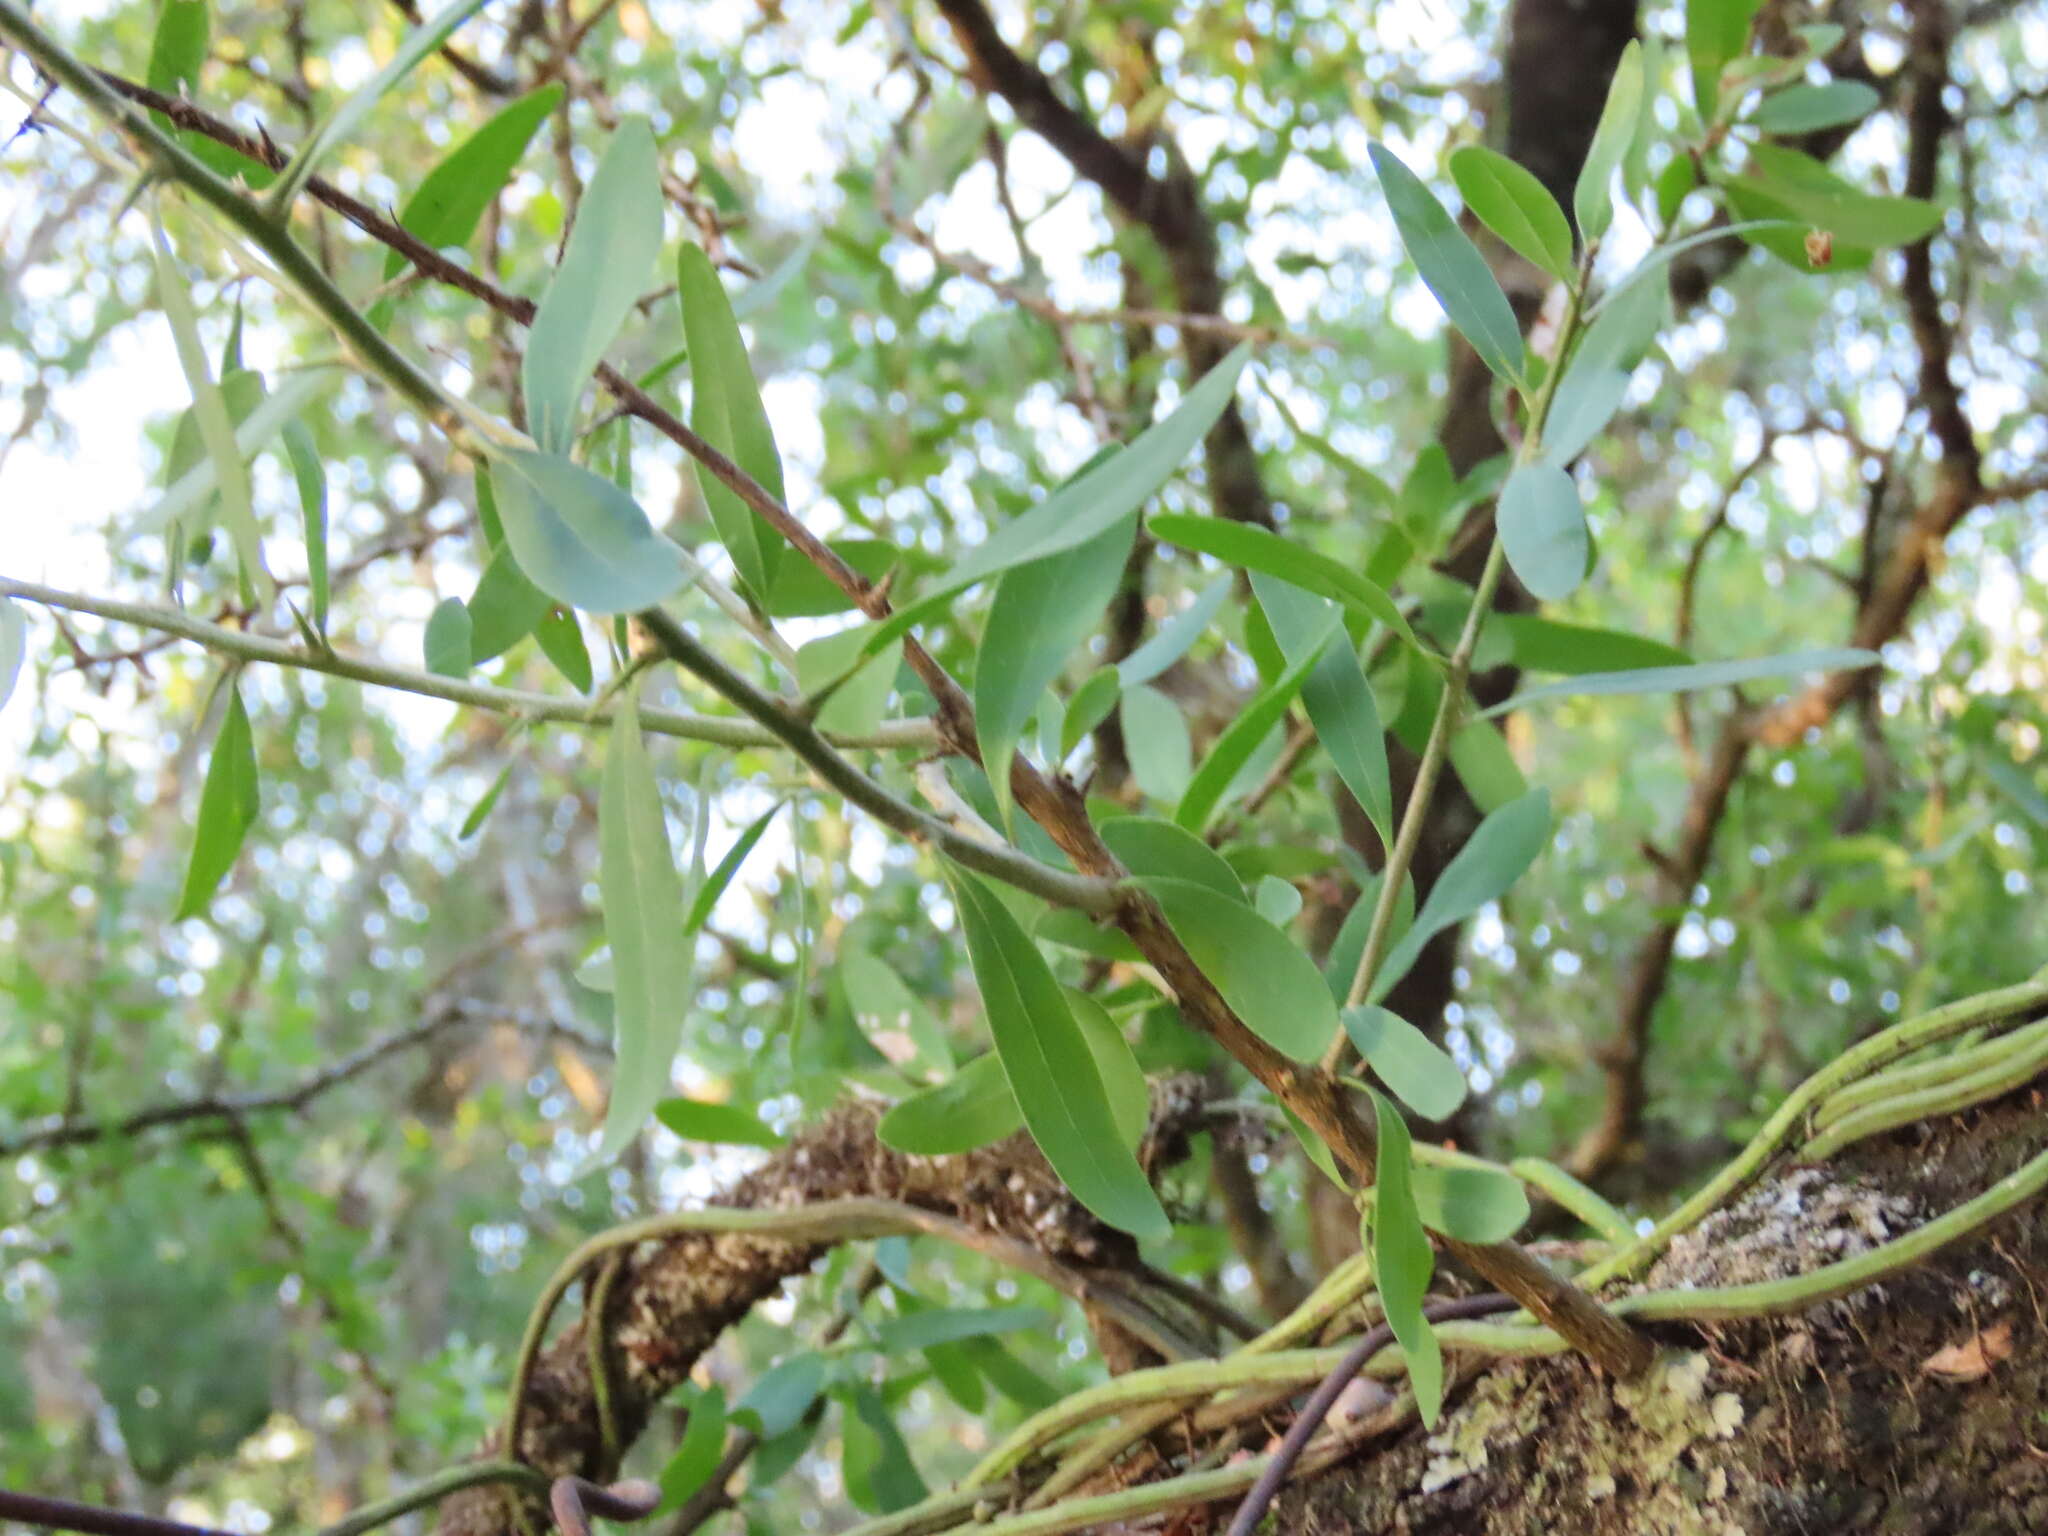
<point x="574" y="1500"/>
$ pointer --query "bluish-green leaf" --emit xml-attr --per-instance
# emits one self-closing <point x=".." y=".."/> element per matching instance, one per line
<point x="1340" y="965"/>
<point x="444" y="209"/>
<point x="1260" y="549"/>
<point x="1493" y="858"/>
<point x="717" y="1124"/>
<point x="1041" y="611"/>
<point x="1451" y="267"/>
<point x="1620" y="118"/>
<point x="1157" y="743"/>
<point x="970" y="1109"/>
<point x="311" y="478"/>
<point x="1218" y="771"/>
<point x="1264" y="975"/>
<point x="698" y="1453"/>
<point x="875" y="1463"/>
<point x="782" y="1395"/>
<point x="448" y="638"/>
<point x="13" y="645"/>
<point x="1512" y="203"/>
<point x="1338" y="699"/>
<point x="1416" y="1070"/>
<point x="1050" y="1067"/>
<point x="1149" y="845"/>
<point x="726" y="411"/>
<point x="1470" y="1203"/>
<point x="1543" y="527"/>
<point x="1806" y="108"/>
<point x="604" y="269"/>
<point x="860" y="689"/>
<point x="1596" y="378"/>
<point x="1545" y="645"/>
<point x="581" y="539"/>
<point x="898" y="1336"/>
<point x="1277" y="901"/>
<point x="643" y="921"/>
<point x="1700" y="674"/>
<point x="1172" y="640"/>
<point x="882" y="1005"/>
<point x="1403" y="1260"/>
<point x="228" y="803"/>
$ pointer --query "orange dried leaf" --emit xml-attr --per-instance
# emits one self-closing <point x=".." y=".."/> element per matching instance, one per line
<point x="1972" y="1359"/>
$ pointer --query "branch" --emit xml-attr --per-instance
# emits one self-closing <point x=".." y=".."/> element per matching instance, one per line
<point x="245" y="646"/>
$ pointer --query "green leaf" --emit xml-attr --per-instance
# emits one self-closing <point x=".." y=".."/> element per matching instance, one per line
<point x="1452" y="268"/>
<point x="898" y="1336"/>
<point x="953" y="1369"/>
<point x="1715" y="32"/>
<point x="504" y="608"/>
<point x="1318" y="1152"/>
<point x="1218" y="772"/>
<point x="1076" y="930"/>
<point x="714" y="884"/>
<point x="1486" y="767"/>
<point x="875" y="1463"/>
<point x="13" y="645"/>
<point x="1545" y="645"/>
<point x="257" y="418"/>
<point x="1516" y="206"/>
<point x="1800" y="187"/>
<point x="1264" y="976"/>
<point x="177" y="54"/>
<point x="1592" y="197"/>
<point x="1130" y="1101"/>
<point x="726" y="411"/>
<point x="1148" y="845"/>
<point x="1040" y="613"/>
<point x="1157" y="742"/>
<point x="1173" y="639"/>
<point x="802" y="591"/>
<point x="1700" y="674"/>
<point x="1544" y="529"/>
<point x="1807" y="108"/>
<point x="1277" y="901"/>
<point x="719" y="1124"/>
<point x="1596" y="378"/>
<point x="1403" y="1260"/>
<point x="421" y="41"/>
<point x="698" y="1453"/>
<point x="1050" y="1067"/>
<point x="1416" y="1070"/>
<point x="882" y="1004"/>
<point x="860" y="689"/>
<point x="228" y="803"/>
<point x="604" y="268"/>
<point x="643" y="921"/>
<point x="448" y="638"/>
<point x="581" y="539"/>
<point x="481" y="811"/>
<point x="1338" y="699"/>
<point x="210" y="411"/>
<point x="783" y="1394"/>
<point x="972" y="1108"/>
<point x="2014" y="780"/>
<point x="1493" y="858"/>
<point x="444" y="209"/>
<point x="1341" y="963"/>
<point x="1260" y="549"/>
<point x="311" y="479"/>
<point x="1089" y="707"/>
<point x="561" y="641"/>
<point x="1472" y="1204"/>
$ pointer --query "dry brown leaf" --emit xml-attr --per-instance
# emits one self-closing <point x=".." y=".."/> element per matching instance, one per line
<point x="1972" y="1359"/>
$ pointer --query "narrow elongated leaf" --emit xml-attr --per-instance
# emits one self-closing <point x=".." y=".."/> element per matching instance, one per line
<point x="875" y="1462"/>
<point x="228" y="803"/>
<point x="726" y="411"/>
<point x="782" y="1395"/>
<point x="1088" y="708"/>
<point x="1041" y="612"/>
<point x="1451" y="267"/>
<point x="610" y="252"/>
<point x="1807" y="190"/>
<point x="504" y="608"/>
<point x="1476" y="1205"/>
<point x="419" y="43"/>
<point x="1493" y="858"/>
<point x="1545" y="645"/>
<point x="444" y="209"/>
<point x="1596" y="378"/>
<point x="970" y="1109"/>
<point x="216" y="427"/>
<point x="719" y="1124"/>
<point x="1403" y="1260"/>
<point x="1700" y="674"/>
<point x="1340" y="965"/>
<point x="1260" y="549"/>
<point x="714" y="884"/>
<point x="1050" y="1067"/>
<point x="1416" y="1070"/>
<point x="1337" y="697"/>
<point x="177" y="54"/>
<point x="953" y="1369"/>
<point x="13" y="646"/>
<point x="1130" y="1101"/>
<point x="1715" y="32"/>
<point x="1147" y="845"/>
<point x="1516" y="206"/>
<point x="1806" y="108"/>
<point x="883" y="1007"/>
<point x="1592" y="197"/>
<point x="1264" y="976"/>
<point x="448" y="638"/>
<point x="1544" y="528"/>
<point x="480" y="812"/>
<point x="1157" y="742"/>
<point x="581" y="539"/>
<point x="643" y="921"/>
<point x="561" y="641"/>
<point x="1173" y="639"/>
<point x="311" y="478"/>
<point x="1221" y="764"/>
<point x="697" y="1454"/>
<point x="253" y="429"/>
<point x="898" y="1336"/>
<point x="1484" y="765"/>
